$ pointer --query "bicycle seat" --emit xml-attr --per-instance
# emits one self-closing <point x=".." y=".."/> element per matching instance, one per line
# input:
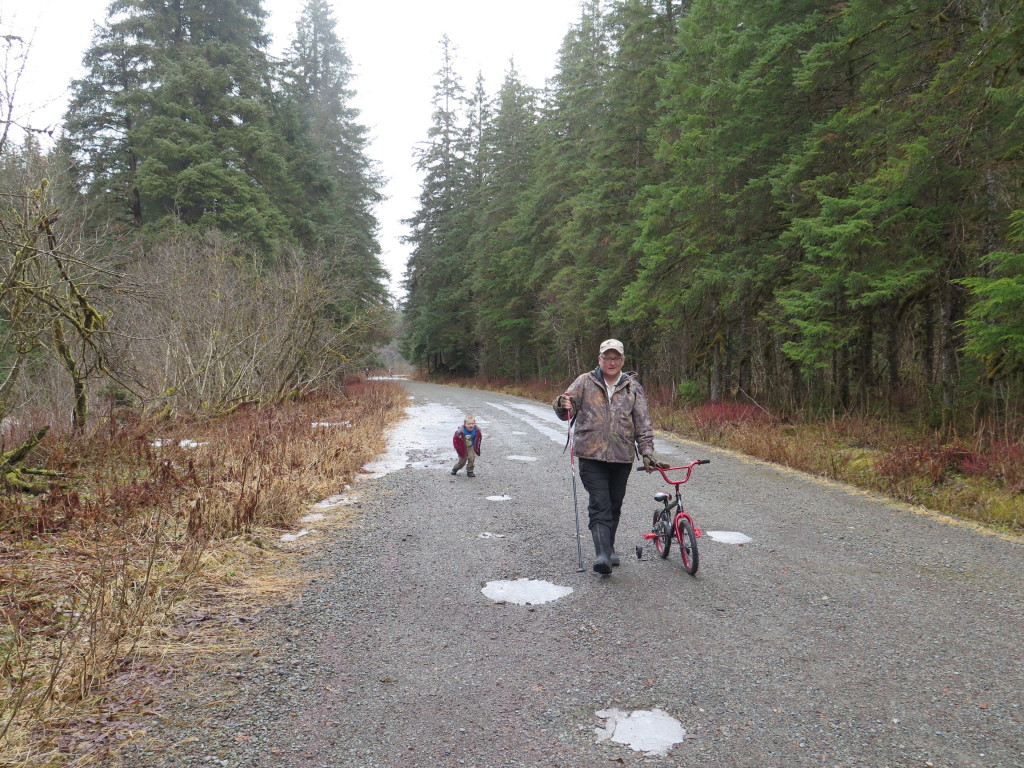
<point x="661" y="496"/>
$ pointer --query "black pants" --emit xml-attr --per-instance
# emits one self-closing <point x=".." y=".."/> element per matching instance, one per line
<point x="605" y="481"/>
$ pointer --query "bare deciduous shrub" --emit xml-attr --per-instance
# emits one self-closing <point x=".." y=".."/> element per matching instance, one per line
<point x="211" y="327"/>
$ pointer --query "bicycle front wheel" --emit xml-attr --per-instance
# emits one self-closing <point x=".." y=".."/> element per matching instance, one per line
<point x="687" y="545"/>
<point x="663" y="528"/>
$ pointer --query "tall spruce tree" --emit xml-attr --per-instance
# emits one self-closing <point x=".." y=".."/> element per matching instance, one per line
<point x="503" y="304"/>
<point x="171" y="122"/>
<point x="565" y="323"/>
<point x="338" y="185"/>
<point x="438" y="303"/>
<point x="621" y="164"/>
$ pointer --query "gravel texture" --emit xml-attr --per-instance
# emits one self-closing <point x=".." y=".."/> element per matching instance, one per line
<point x="849" y="632"/>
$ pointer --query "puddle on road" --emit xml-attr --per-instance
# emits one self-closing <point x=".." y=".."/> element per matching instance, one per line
<point x="652" y="732"/>
<point x="728" y="537"/>
<point x="524" y="591"/>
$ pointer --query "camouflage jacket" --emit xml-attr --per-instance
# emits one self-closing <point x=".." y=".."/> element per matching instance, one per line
<point x="615" y="430"/>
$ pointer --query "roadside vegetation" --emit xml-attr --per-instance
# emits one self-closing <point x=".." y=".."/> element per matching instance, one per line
<point x="164" y="538"/>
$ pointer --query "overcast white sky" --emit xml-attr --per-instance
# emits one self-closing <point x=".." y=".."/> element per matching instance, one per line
<point x="394" y="47"/>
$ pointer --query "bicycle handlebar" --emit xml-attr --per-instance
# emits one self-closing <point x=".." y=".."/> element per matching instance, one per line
<point x="688" y="467"/>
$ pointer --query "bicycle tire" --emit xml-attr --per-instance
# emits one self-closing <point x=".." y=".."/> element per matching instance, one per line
<point x="687" y="546"/>
<point x="663" y="528"/>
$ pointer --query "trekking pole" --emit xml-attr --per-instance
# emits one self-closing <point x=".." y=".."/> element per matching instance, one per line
<point x="575" y="505"/>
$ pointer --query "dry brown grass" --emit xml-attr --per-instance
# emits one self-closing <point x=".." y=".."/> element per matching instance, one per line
<point x="159" y="548"/>
<point x="975" y="482"/>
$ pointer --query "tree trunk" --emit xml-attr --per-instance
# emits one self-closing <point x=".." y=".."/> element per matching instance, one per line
<point x="951" y="310"/>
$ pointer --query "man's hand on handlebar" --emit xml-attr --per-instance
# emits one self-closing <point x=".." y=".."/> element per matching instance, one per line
<point x="651" y="464"/>
<point x="566" y="404"/>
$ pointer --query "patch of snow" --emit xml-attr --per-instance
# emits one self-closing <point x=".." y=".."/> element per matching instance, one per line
<point x="332" y="501"/>
<point x="188" y="444"/>
<point x="539" y="417"/>
<point x="311" y="518"/>
<point x="652" y="732"/>
<point x="524" y="591"/>
<point x="521" y="458"/>
<point x="728" y="537"/>
<point x="426" y="429"/>
<point x="499" y="498"/>
<point x="331" y="424"/>
<point x="489" y="535"/>
<point x="294" y="536"/>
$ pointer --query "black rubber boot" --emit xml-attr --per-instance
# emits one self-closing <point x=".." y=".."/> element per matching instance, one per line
<point x="602" y="549"/>
<point x="613" y="557"/>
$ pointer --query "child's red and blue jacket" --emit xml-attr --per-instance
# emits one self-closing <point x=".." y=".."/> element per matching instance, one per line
<point x="459" y="440"/>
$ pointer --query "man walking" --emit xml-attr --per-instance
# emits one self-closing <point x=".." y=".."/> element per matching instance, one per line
<point x="611" y="427"/>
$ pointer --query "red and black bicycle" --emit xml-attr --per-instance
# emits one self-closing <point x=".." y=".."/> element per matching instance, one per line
<point x="679" y="526"/>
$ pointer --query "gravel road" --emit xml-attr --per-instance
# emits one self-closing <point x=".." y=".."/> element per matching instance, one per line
<point x="848" y="632"/>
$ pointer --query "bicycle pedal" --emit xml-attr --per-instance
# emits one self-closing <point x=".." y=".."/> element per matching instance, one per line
<point x="650" y="536"/>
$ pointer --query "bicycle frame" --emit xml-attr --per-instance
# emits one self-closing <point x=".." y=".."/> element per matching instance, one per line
<point x="677" y="502"/>
<point x="682" y="526"/>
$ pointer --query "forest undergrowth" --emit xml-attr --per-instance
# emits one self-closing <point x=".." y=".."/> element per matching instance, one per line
<point x="972" y="478"/>
<point x="162" y="541"/>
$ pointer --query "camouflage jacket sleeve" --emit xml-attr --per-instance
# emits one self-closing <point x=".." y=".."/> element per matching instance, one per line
<point x="643" y="429"/>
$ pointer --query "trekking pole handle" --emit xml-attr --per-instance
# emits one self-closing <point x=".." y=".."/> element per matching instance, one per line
<point x="569" y="398"/>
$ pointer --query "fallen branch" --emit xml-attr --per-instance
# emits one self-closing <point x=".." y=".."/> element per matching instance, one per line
<point x="14" y="476"/>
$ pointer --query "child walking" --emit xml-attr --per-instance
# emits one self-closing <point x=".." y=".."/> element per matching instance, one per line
<point x="467" y="441"/>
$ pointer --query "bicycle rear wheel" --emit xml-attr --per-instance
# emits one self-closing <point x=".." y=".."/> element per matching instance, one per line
<point x="687" y="546"/>
<point x="663" y="528"/>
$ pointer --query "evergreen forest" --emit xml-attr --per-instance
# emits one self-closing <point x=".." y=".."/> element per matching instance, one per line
<point x="200" y="235"/>
<point x="813" y="206"/>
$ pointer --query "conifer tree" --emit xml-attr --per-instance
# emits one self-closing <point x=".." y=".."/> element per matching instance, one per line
<point x="438" y="303"/>
<point x="171" y="122"/>
<point x="565" y="322"/>
<point x="504" y="304"/>
<point x="338" y="183"/>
